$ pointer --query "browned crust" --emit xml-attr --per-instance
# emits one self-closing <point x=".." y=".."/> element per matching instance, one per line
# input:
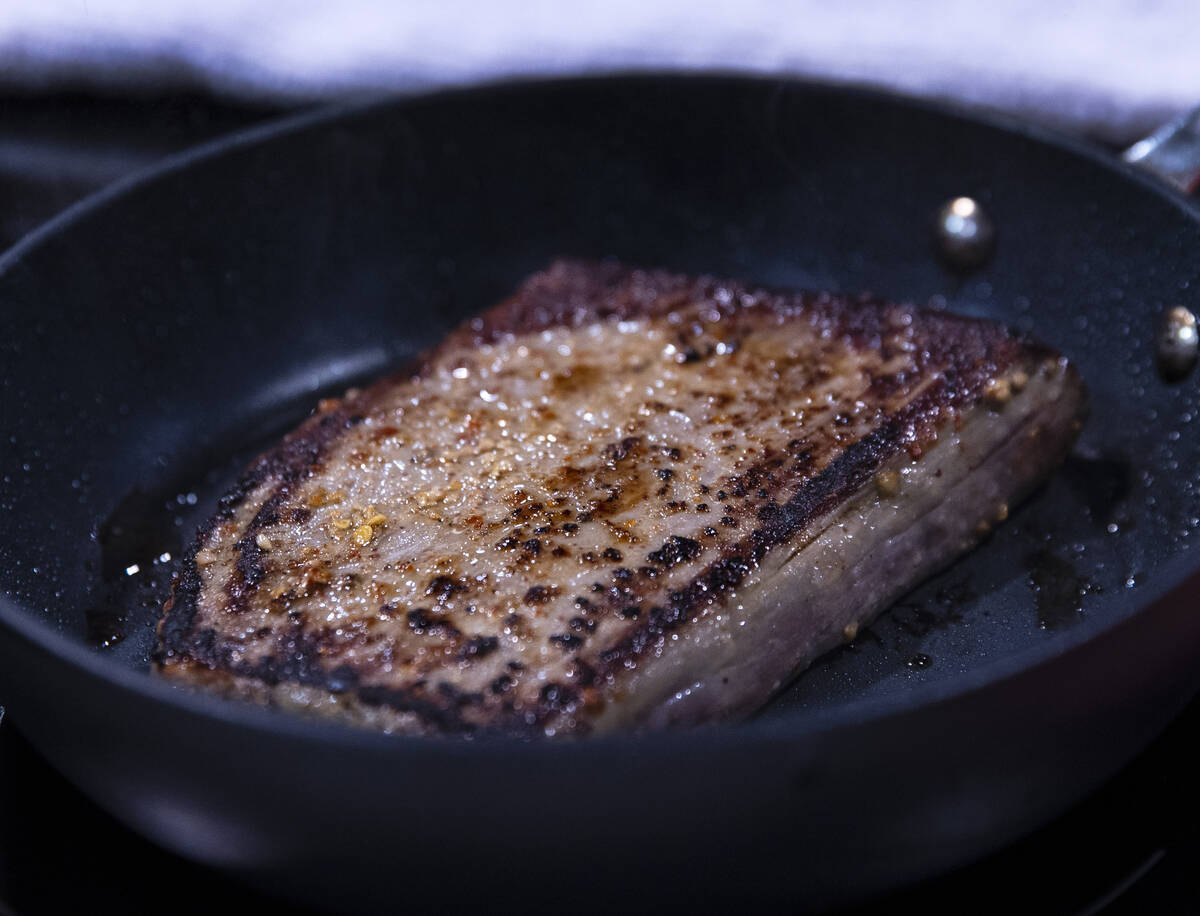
<point x="573" y="294"/>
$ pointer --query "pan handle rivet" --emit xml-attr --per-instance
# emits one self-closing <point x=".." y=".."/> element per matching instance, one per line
<point x="964" y="233"/>
<point x="1178" y="344"/>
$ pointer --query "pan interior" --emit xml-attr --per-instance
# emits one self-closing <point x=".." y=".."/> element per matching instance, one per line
<point x="158" y="341"/>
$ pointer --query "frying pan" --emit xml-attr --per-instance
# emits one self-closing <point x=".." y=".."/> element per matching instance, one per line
<point x="158" y="334"/>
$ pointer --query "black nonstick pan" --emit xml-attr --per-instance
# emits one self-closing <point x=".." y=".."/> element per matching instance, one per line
<point x="157" y="335"/>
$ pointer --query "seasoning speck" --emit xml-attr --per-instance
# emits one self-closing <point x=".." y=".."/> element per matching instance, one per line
<point x="998" y="393"/>
<point x="887" y="483"/>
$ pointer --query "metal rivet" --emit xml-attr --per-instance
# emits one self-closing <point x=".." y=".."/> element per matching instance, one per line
<point x="1178" y="344"/>
<point x="965" y="234"/>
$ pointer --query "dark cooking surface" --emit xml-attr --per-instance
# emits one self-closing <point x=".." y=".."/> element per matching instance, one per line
<point x="1131" y="849"/>
<point x="57" y="851"/>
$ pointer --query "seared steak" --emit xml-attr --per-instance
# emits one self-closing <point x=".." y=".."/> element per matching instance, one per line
<point x="620" y="499"/>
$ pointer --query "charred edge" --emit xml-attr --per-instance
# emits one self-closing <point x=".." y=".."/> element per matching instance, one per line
<point x="441" y="713"/>
<point x="298" y="661"/>
<point x="573" y="293"/>
<point x="296" y="459"/>
<point x="778" y="524"/>
<point x="444" y="709"/>
<point x="440" y="709"/>
<point x="287" y="463"/>
<point x="180" y="613"/>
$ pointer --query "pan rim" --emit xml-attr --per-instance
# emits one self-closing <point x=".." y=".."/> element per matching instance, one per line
<point x="808" y="723"/>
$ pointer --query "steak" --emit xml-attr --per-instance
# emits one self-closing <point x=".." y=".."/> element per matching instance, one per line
<point x="621" y="499"/>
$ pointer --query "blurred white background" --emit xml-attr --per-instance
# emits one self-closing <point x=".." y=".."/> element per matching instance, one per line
<point x="1110" y="68"/>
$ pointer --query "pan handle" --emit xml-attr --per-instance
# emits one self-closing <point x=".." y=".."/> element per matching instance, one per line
<point x="1172" y="152"/>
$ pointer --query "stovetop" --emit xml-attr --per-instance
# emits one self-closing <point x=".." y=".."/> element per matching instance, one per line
<point x="1131" y="848"/>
